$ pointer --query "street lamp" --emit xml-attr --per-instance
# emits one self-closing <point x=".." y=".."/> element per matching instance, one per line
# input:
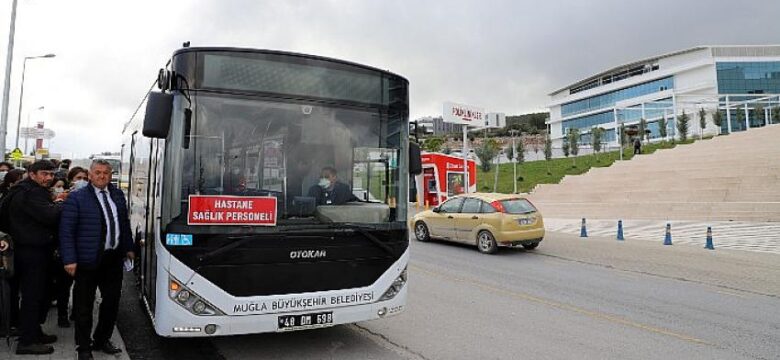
<point x="28" y="126"/>
<point x="21" y="93"/>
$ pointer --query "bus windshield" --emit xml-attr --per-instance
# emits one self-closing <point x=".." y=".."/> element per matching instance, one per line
<point x="242" y="146"/>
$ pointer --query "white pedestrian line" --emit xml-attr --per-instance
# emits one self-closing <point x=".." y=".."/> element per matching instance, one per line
<point x="760" y="237"/>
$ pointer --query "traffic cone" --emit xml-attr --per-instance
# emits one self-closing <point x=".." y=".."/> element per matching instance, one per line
<point x="668" y="238"/>
<point x="620" y="230"/>
<point x="583" y="230"/>
<point x="709" y="244"/>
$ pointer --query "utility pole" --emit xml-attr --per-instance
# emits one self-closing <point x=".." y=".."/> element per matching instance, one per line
<point x="7" y="87"/>
<point x="514" y="159"/>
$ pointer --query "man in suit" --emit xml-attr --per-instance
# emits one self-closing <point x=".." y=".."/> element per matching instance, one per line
<point x="331" y="191"/>
<point x="33" y="219"/>
<point x="95" y="239"/>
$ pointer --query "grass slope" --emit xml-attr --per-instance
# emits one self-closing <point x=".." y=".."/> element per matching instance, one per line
<point x="536" y="172"/>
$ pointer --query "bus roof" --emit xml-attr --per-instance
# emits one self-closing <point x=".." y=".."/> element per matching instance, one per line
<point x="286" y="53"/>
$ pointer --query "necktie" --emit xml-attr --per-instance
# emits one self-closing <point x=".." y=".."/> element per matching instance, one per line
<point x="111" y="223"/>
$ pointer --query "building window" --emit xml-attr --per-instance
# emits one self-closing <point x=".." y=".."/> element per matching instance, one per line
<point x="748" y="77"/>
<point x="609" y="99"/>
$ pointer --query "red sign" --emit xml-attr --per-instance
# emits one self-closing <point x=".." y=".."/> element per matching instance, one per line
<point x="232" y="210"/>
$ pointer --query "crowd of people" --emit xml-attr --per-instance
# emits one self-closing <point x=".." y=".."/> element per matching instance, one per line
<point x="66" y="229"/>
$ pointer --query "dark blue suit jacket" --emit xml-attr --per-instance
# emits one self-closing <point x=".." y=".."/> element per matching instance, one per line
<point x="83" y="228"/>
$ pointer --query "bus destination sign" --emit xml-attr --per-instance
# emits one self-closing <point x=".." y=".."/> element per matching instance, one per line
<point x="232" y="210"/>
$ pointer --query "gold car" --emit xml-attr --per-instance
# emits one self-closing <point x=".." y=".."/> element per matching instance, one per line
<point x="487" y="220"/>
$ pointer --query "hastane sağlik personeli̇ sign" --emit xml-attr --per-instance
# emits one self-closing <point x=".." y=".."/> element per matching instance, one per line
<point x="232" y="210"/>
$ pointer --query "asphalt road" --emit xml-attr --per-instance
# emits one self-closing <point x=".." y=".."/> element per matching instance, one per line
<point x="571" y="298"/>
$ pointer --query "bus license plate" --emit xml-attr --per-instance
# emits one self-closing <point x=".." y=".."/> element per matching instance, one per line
<point x="297" y="322"/>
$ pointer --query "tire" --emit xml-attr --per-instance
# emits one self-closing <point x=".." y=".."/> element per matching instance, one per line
<point x="530" y="246"/>
<point x="421" y="231"/>
<point x="486" y="242"/>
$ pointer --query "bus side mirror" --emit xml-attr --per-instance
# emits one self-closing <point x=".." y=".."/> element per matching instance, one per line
<point x="415" y="160"/>
<point x="158" y="115"/>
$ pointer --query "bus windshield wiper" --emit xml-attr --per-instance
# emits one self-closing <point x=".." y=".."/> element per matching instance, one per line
<point x="243" y="239"/>
<point x="364" y="230"/>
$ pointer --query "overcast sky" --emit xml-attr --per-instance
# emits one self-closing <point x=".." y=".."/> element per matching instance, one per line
<point x="505" y="56"/>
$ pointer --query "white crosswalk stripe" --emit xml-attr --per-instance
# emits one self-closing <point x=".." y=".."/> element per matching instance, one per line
<point x="749" y="236"/>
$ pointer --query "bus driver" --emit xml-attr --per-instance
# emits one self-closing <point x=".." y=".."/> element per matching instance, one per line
<point x="330" y="191"/>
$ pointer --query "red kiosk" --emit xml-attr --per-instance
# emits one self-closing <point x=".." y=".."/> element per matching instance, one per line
<point x="442" y="177"/>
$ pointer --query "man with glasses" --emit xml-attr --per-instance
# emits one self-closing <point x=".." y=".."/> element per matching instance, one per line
<point x="95" y="239"/>
<point x="33" y="222"/>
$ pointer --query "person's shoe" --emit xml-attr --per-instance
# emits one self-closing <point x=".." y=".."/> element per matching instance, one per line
<point x="62" y="321"/>
<point x="85" y="355"/>
<point x="33" y="349"/>
<point x="47" y="339"/>
<point x="107" y="347"/>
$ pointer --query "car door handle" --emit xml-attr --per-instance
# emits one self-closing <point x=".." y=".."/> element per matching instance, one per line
<point x="475" y="218"/>
<point x="450" y="217"/>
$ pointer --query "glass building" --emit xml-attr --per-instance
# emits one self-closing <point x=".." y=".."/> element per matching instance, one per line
<point x="742" y="83"/>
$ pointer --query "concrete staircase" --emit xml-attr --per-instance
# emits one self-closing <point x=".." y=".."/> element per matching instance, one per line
<point x="733" y="177"/>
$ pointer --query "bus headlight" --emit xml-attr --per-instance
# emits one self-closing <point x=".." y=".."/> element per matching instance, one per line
<point x="198" y="307"/>
<point x="190" y="300"/>
<point x="395" y="287"/>
<point x="183" y="296"/>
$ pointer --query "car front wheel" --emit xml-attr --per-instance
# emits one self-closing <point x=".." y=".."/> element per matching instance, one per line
<point x="486" y="243"/>
<point x="421" y="231"/>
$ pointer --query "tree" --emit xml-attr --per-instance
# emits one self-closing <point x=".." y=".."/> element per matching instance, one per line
<point x="702" y="122"/>
<point x="740" y="118"/>
<point x="486" y="153"/>
<point x="776" y="115"/>
<point x="682" y="126"/>
<point x="595" y="136"/>
<point x="662" y="127"/>
<point x="642" y="127"/>
<point x="759" y="111"/>
<point x="623" y="135"/>
<point x="433" y="144"/>
<point x="520" y="150"/>
<point x="717" y="119"/>
<point x="565" y="146"/>
<point x="536" y="146"/>
<point x="548" y="152"/>
<point x="574" y="144"/>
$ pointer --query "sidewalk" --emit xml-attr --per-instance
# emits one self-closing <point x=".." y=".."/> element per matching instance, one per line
<point x="736" y="235"/>
<point x="65" y="347"/>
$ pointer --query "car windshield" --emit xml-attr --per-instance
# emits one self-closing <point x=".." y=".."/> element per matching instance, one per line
<point x="248" y="147"/>
<point x="518" y="206"/>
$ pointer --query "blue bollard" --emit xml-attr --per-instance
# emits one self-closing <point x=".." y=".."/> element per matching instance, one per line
<point x="668" y="237"/>
<point x="583" y="230"/>
<point x="709" y="244"/>
<point x="620" y="230"/>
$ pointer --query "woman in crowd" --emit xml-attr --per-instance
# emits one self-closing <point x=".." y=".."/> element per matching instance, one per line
<point x="13" y="177"/>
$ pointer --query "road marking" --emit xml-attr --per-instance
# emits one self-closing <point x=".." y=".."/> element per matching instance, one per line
<point x="562" y="306"/>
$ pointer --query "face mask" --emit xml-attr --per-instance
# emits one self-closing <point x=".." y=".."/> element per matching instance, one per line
<point x="78" y="184"/>
<point x="58" y="190"/>
<point x="2" y="175"/>
<point x="325" y="183"/>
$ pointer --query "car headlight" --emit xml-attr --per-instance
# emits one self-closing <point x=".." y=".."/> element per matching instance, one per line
<point x="189" y="300"/>
<point x="395" y="287"/>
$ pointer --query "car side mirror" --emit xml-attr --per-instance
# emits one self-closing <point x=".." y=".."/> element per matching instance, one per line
<point x="436" y="209"/>
<point x="157" y="120"/>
